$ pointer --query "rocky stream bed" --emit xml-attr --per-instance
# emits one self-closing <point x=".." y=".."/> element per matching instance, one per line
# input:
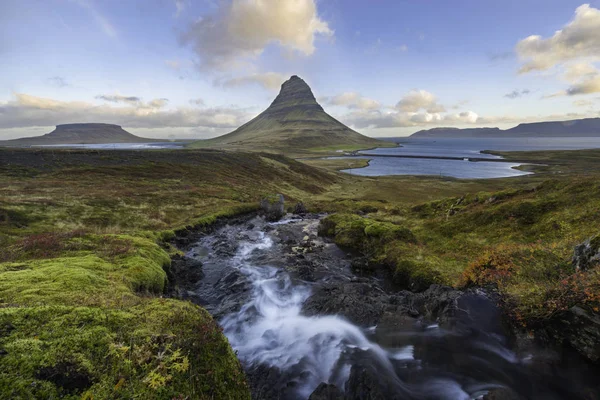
<point x="305" y="326"/>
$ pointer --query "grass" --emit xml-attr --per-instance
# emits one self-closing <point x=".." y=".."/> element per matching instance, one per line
<point x="84" y="254"/>
<point x="519" y="241"/>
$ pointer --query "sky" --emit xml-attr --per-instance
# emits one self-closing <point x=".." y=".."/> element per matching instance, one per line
<point x="200" y="68"/>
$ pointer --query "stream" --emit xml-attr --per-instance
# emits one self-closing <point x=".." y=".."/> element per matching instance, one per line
<point x="305" y="326"/>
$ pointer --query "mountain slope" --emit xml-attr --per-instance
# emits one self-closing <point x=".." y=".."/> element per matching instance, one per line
<point x="589" y="127"/>
<point x="79" y="134"/>
<point x="293" y="121"/>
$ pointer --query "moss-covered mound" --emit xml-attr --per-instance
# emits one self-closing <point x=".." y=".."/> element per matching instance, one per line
<point x="81" y="318"/>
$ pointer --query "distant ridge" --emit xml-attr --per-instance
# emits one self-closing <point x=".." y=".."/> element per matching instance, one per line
<point x="82" y="133"/>
<point x="293" y="121"/>
<point x="588" y="127"/>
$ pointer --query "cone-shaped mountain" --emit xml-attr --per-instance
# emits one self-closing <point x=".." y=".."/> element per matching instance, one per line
<point x="293" y="121"/>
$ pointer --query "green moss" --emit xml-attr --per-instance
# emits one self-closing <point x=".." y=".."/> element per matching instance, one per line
<point x="160" y="349"/>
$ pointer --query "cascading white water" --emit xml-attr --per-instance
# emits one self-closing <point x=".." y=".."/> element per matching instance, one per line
<point x="270" y="330"/>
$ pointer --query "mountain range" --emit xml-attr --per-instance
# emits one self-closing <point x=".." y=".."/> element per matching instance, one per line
<point x="589" y="127"/>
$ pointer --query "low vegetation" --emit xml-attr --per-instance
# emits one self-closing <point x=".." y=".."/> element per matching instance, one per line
<point x="518" y="241"/>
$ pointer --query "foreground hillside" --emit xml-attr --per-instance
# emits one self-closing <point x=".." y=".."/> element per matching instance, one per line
<point x="84" y="263"/>
<point x="85" y="255"/>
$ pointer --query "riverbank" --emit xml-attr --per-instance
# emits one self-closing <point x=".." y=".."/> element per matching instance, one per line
<point x="298" y="315"/>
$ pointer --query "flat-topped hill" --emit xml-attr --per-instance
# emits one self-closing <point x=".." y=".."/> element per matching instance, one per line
<point x="82" y="133"/>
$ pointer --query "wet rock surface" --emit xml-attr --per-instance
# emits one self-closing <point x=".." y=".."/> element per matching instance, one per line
<point x="305" y="326"/>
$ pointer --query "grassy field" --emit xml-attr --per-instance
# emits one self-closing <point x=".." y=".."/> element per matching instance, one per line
<point x="84" y="254"/>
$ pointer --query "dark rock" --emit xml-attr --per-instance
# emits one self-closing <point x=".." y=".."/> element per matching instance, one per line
<point x="273" y="208"/>
<point x="360" y="301"/>
<point x="587" y="254"/>
<point x="327" y="392"/>
<point x="577" y="327"/>
<point x="367" y="383"/>
<point x="502" y="394"/>
<point x="300" y="209"/>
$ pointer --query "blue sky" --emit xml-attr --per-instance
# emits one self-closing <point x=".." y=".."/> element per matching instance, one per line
<point x="185" y="68"/>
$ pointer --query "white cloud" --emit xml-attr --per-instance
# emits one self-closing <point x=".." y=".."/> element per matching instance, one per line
<point x="352" y="100"/>
<point x="240" y="31"/>
<point x="268" y="80"/>
<point x="417" y="100"/>
<point x="571" y="53"/>
<point x="398" y="119"/>
<point x="29" y="111"/>
<point x="580" y="38"/>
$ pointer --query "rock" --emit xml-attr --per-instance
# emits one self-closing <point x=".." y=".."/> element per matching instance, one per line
<point x="579" y="328"/>
<point x="366" y="383"/>
<point x="300" y="209"/>
<point x="502" y="394"/>
<point x="273" y="207"/>
<point x="587" y="254"/>
<point x="326" y="392"/>
<point x="360" y="301"/>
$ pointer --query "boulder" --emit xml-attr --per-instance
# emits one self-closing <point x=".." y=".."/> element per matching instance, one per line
<point x="273" y="207"/>
<point x="300" y="209"/>
<point x="587" y="254"/>
<point x="578" y="327"/>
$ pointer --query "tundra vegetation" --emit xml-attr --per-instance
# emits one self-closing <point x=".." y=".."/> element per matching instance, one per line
<point x="85" y="254"/>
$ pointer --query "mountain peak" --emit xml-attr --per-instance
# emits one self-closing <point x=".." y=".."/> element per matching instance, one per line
<point x="294" y="92"/>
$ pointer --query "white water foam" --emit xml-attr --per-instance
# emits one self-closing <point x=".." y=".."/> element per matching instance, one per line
<point x="270" y="330"/>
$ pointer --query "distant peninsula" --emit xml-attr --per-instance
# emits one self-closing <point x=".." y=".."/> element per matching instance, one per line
<point x="83" y="133"/>
<point x="588" y="127"/>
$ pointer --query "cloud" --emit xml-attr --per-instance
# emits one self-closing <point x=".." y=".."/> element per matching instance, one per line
<point x="505" y="55"/>
<point x="104" y="24"/>
<point x="352" y="100"/>
<point x="417" y="100"/>
<point x="180" y="5"/>
<point x="240" y="31"/>
<point x="587" y="86"/>
<point x="116" y="98"/>
<point x="517" y="93"/>
<point x="398" y="119"/>
<point x="580" y="38"/>
<point x="198" y="102"/>
<point x="268" y="80"/>
<point x="403" y="48"/>
<point x="28" y="111"/>
<point x="58" y="81"/>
